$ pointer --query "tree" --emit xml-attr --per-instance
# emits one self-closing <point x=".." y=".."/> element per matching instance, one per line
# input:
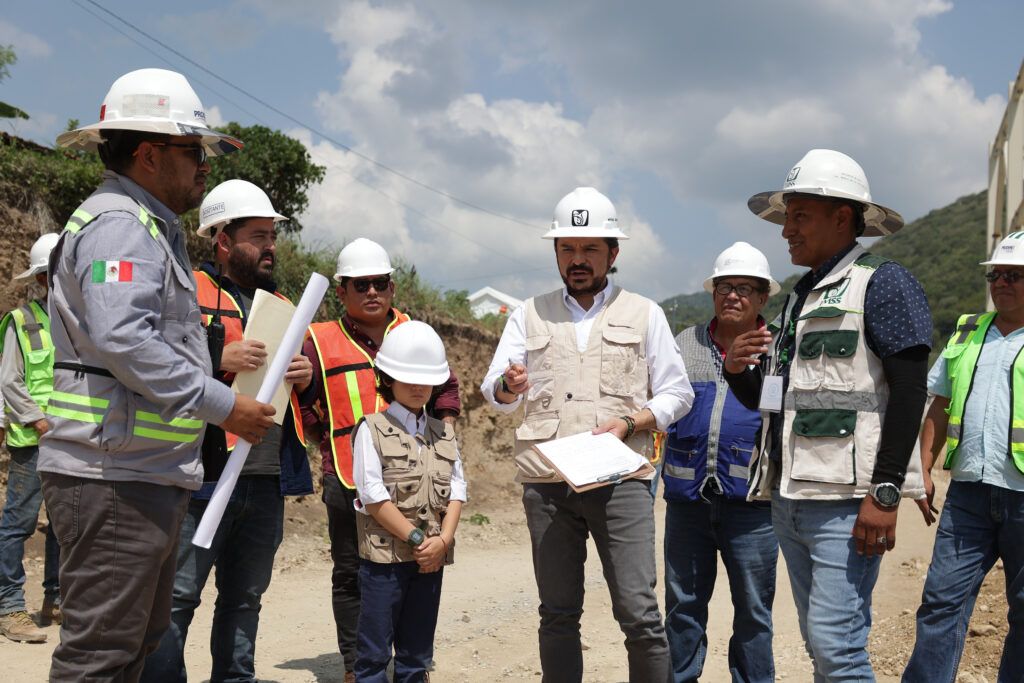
<point x="7" y="58"/>
<point x="280" y="165"/>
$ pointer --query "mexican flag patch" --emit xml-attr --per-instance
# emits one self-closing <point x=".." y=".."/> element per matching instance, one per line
<point x="111" y="271"/>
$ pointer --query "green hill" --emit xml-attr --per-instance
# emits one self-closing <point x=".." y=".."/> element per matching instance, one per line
<point x="942" y="249"/>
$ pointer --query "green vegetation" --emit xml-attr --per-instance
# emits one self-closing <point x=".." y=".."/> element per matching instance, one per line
<point x="8" y="58"/>
<point x="942" y="249"/>
<point x="478" y="519"/>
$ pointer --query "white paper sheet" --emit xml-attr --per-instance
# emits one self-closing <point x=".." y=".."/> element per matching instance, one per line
<point x="293" y="336"/>
<point x="267" y="322"/>
<point x="588" y="459"/>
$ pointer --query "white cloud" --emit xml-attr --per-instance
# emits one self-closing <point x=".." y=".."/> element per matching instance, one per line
<point x="25" y="44"/>
<point x="214" y="118"/>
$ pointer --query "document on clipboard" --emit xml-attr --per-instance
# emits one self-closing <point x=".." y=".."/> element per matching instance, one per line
<point x="267" y="323"/>
<point x="586" y="461"/>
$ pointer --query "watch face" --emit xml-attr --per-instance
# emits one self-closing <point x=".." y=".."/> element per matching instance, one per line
<point x="887" y="495"/>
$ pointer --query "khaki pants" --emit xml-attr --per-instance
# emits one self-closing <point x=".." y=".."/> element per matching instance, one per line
<point x="118" y="542"/>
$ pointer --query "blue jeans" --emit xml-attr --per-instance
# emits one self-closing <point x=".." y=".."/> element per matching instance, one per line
<point x="695" y="532"/>
<point x="243" y="551"/>
<point x="980" y="523"/>
<point x="399" y="610"/>
<point x="18" y="523"/>
<point x="831" y="583"/>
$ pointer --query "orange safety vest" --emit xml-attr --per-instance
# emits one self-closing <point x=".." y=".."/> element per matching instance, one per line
<point x="350" y="388"/>
<point x="231" y="316"/>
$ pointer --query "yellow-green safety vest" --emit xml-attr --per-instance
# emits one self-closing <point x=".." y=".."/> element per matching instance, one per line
<point x="32" y="326"/>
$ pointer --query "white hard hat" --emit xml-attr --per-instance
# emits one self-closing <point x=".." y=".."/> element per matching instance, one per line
<point x="1009" y="252"/>
<point x="230" y="200"/>
<point x="362" y="257"/>
<point x="39" y="255"/>
<point x="828" y="173"/>
<point x="742" y="260"/>
<point x="413" y="353"/>
<point x="151" y="101"/>
<point x="585" y="212"/>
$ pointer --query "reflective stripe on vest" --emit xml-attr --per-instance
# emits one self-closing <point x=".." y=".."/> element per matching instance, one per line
<point x="962" y="353"/>
<point x="231" y="315"/>
<point x="350" y="388"/>
<point x="32" y="327"/>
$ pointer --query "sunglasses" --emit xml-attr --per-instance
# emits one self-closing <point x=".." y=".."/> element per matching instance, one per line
<point x="743" y="291"/>
<point x="198" y="151"/>
<point x="378" y="283"/>
<point x="1011" y="276"/>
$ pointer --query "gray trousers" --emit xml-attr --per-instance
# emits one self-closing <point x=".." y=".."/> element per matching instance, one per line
<point x="119" y="541"/>
<point x="621" y="519"/>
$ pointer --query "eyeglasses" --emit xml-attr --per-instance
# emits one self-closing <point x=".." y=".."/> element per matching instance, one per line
<point x="1010" y="276"/>
<point x="198" y="151"/>
<point x="743" y="291"/>
<point x="378" y="283"/>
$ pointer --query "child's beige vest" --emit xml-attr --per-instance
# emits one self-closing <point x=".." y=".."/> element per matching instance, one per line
<point x="417" y="471"/>
<point x="571" y="392"/>
<point x="836" y="399"/>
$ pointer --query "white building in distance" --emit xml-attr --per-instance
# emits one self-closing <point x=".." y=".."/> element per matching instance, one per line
<point x="489" y="300"/>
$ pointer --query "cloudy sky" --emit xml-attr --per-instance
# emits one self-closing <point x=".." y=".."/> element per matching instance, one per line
<point x="678" y="111"/>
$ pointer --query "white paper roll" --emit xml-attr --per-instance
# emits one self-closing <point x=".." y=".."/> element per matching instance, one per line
<point x="292" y="341"/>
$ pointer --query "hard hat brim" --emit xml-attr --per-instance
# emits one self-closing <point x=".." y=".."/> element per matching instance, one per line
<point x="211" y="229"/>
<point x="363" y="272"/>
<point x="773" y="286"/>
<point x="87" y="138"/>
<point x="557" y="233"/>
<point x="434" y="377"/>
<point x="34" y="270"/>
<point x="878" y="220"/>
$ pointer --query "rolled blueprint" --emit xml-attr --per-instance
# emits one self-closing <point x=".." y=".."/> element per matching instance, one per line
<point x="290" y="345"/>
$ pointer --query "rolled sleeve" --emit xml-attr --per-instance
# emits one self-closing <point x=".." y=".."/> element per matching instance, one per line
<point x="671" y="392"/>
<point x="459" y="490"/>
<point x="938" y="379"/>
<point x="511" y="348"/>
<point x="447" y="397"/>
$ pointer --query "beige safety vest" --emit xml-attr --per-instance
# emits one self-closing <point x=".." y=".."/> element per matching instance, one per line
<point x="571" y="392"/>
<point x="836" y="398"/>
<point x="417" y="471"/>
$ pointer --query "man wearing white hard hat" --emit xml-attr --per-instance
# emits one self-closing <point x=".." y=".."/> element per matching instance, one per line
<point x="590" y="356"/>
<point x="707" y="459"/>
<point x="345" y="389"/>
<point x="133" y="384"/>
<point x="841" y="376"/>
<point x="977" y="413"/>
<point x="238" y="217"/>
<point x="26" y="380"/>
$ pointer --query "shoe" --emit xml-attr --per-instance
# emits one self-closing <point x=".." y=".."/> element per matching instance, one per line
<point x="19" y="627"/>
<point x="50" y="612"/>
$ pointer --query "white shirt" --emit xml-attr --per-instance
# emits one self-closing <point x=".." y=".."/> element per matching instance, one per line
<point x="671" y="393"/>
<point x="366" y="470"/>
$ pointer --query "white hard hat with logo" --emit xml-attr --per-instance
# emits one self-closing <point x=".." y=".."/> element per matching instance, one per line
<point x="742" y="260"/>
<point x="39" y="255"/>
<point x="362" y="257"/>
<point x="1009" y="251"/>
<point x="413" y="353"/>
<point x="831" y="174"/>
<point x="231" y="200"/>
<point x="151" y="101"/>
<point x="585" y="212"/>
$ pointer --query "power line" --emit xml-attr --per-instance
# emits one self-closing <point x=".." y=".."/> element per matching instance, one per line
<point x="298" y="122"/>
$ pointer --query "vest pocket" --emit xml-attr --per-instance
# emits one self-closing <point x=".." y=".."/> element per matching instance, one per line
<point x="440" y="491"/>
<point x="827" y="360"/>
<point x="536" y="427"/>
<point x="823" y="446"/>
<point x="620" y="352"/>
<point x="542" y="388"/>
<point x="405" y="491"/>
<point x="538" y="353"/>
<point x="39" y="369"/>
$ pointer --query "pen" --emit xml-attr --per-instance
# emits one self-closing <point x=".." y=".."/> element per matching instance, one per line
<point x="615" y="477"/>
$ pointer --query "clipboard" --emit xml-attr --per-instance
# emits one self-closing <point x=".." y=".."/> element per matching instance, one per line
<point x="560" y="459"/>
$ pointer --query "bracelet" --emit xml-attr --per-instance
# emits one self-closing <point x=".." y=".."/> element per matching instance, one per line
<point x="630" y="426"/>
<point x="443" y="543"/>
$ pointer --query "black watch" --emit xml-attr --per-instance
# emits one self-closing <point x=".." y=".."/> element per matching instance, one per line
<point x="887" y="495"/>
<point x="416" y="537"/>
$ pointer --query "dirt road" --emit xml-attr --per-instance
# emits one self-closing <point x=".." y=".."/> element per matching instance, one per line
<point x="488" y="620"/>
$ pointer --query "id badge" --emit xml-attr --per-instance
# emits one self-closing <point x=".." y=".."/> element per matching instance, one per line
<point x="771" y="394"/>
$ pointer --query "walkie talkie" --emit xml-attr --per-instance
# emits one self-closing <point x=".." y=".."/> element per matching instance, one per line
<point x="215" y="330"/>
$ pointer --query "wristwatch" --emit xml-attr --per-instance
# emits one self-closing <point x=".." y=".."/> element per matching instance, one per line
<point x="887" y="495"/>
<point x="416" y="537"/>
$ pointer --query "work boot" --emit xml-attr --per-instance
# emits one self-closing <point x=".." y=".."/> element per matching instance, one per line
<point x="50" y="613"/>
<point x="18" y="626"/>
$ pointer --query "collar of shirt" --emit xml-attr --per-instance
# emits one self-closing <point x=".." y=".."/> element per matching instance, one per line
<point x="411" y="423"/>
<point x="153" y="205"/>
<point x="578" y="312"/>
<point x="360" y="337"/>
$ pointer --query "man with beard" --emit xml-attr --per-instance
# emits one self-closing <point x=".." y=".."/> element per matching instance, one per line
<point x="132" y="384"/>
<point x="590" y="356"/>
<point x="240" y="219"/>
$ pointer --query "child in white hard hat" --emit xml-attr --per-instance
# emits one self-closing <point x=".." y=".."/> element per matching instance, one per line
<point x="411" y="487"/>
